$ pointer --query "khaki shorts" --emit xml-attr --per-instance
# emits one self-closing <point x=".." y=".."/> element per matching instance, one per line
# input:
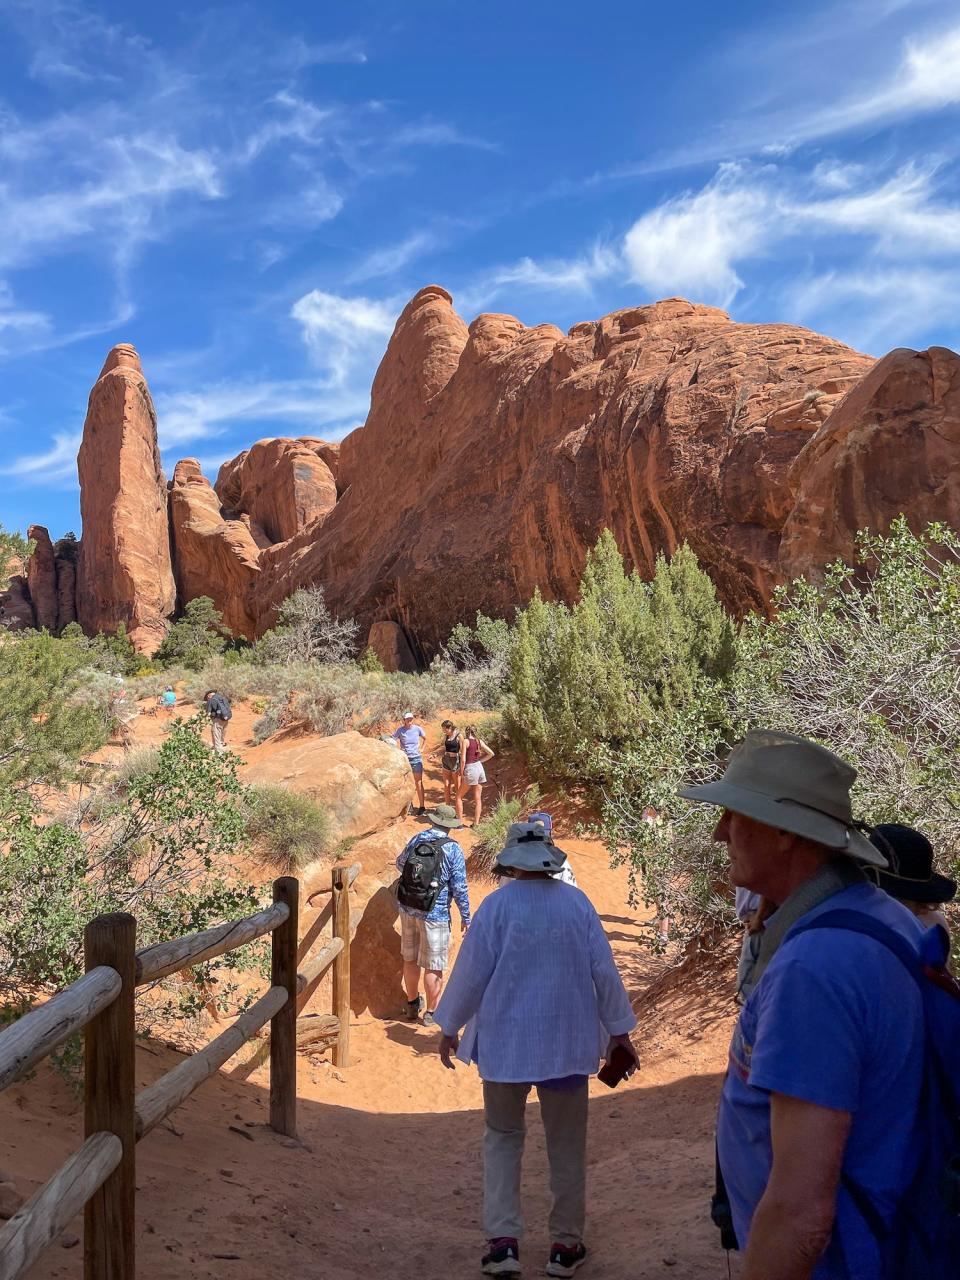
<point x="474" y="775"/>
<point x="424" y="943"/>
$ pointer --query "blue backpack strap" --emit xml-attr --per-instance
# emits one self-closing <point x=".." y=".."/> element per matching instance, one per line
<point x="870" y="927"/>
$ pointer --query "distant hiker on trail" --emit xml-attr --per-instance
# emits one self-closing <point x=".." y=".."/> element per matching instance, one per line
<point x="167" y="700"/>
<point x="432" y="871"/>
<point x="817" y="1132"/>
<point x="910" y="877"/>
<point x="543" y="820"/>
<point x="474" y="753"/>
<point x="536" y="986"/>
<point x="409" y="737"/>
<point x="220" y="712"/>
<point x="449" y="756"/>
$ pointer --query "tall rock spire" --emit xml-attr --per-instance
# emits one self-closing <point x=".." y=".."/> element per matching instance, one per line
<point x="124" y="572"/>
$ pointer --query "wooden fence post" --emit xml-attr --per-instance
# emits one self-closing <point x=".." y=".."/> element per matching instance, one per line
<point x="109" y="1100"/>
<point x="283" y="1026"/>
<point x="341" y="966"/>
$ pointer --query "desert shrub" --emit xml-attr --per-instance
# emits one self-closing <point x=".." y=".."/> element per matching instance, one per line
<point x="472" y="669"/>
<point x="288" y="829"/>
<point x="52" y="709"/>
<point x="238" y="680"/>
<point x="197" y="636"/>
<point x="113" y="654"/>
<point x="164" y="850"/>
<point x="369" y="662"/>
<point x="307" y="632"/>
<point x="602" y="671"/>
<point x="152" y="683"/>
<point x="491" y="831"/>
<point x="865" y="662"/>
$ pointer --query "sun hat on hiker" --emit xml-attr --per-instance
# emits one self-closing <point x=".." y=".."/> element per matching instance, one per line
<point x="794" y="785"/>
<point x="528" y="849"/>
<point x="408" y="715"/>
<point x="910" y="876"/>
<point x="444" y="815"/>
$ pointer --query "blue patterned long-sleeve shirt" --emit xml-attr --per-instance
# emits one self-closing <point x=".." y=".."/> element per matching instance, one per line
<point x="453" y="879"/>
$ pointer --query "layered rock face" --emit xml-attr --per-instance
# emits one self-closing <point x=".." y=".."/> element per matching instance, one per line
<point x="493" y="457"/>
<point x="124" y="573"/>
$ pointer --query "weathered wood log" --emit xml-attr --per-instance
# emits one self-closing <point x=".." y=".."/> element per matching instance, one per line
<point x="46" y="1214"/>
<point x="283" y="1025"/>
<point x="325" y="916"/>
<point x="323" y="1027"/>
<point x="166" y="1094"/>
<point x="341" y="965"/>
<point x="108" y="1101"/>
<point x="308" y="979"/>
<point x="170" y="957"/>
<point x="28" y="1040"/>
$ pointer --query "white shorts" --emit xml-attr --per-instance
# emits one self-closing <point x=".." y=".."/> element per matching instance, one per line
<point x="473" y="774"/>
<point x="424" y="943"/>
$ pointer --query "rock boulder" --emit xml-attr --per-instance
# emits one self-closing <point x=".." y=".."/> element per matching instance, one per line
<point x="212" y="556"/>
<point x="282" y="485"/>
<point x="365" y="783"/>
<point x="124" y="573"/>
<point x="891" y="446"/>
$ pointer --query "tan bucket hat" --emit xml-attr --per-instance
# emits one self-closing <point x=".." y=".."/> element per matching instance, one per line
<point x="792" y="784"/>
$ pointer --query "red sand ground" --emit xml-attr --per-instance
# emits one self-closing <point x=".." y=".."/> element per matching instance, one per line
<point x="386" y="1176"/>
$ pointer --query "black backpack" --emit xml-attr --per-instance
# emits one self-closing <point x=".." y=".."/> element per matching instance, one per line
<point x="420" y="883"/>
<point x="220" y="707"/>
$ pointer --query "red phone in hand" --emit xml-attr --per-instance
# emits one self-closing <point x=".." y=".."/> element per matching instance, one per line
<point x="612" y="1072"/>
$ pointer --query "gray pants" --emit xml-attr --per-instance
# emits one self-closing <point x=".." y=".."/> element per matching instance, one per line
<point x="218" y="732"/>
<point x="564" y="1115"/>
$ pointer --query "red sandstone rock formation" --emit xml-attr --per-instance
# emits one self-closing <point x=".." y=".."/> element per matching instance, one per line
<point x="16" y="611"/>
<point x="493" y="457"/>
<point x="124" y="572"/>
<point x="891" y="446"/>
<point x="283" y="485"/>
<point x="212" y="556"/>
<point x="42" y="579"/>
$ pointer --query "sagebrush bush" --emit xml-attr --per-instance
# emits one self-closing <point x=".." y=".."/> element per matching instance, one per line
<point x="491" y="831"/>
<point x="153" y="683"/>
<point x="287" y="828"/>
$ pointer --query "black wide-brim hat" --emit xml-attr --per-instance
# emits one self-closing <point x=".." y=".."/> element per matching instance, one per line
<point x="910" y="874"/>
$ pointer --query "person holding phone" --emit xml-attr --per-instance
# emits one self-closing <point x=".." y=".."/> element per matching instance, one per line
<point x="538" y="991"/>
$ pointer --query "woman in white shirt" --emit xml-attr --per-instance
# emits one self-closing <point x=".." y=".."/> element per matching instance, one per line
<point x="538" y="991"/>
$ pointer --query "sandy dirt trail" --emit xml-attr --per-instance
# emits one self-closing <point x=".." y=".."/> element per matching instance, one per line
<point x="386" y="1175"/>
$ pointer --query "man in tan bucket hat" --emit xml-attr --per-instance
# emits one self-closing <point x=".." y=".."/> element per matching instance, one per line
<point x="819" y="1105"/>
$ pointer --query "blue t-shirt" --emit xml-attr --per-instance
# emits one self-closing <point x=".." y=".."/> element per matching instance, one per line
<point x="169" y="698"/>
<point x="409" y="739"/>
<point x="835" y="1020"/>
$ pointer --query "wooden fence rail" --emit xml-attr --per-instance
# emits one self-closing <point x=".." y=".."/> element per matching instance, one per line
<point x="100" y="1177"/>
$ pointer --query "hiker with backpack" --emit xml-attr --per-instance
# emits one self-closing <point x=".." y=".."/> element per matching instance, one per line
<point x="220" y="713"/>
<point x="432" y="871"/>
<point x="838" y="1115"/>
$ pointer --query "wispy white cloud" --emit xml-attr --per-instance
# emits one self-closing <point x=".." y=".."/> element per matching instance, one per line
<point x="211" y="409"/>
<point x="341" y="333"/>
<point x="575" y="275"/>
<point x="53" y="465"/>
<point x="876" y="307"/>
<point x="391" y="258"/>
<point x="437" y="133"/>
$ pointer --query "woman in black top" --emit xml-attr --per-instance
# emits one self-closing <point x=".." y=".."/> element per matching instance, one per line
<point x="450" y="765"/>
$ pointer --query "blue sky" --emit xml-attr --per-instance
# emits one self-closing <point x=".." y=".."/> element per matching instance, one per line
<point x="249" y="194"/>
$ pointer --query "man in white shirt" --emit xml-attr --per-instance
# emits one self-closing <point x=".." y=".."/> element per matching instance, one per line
<point x="536" y="986"/>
